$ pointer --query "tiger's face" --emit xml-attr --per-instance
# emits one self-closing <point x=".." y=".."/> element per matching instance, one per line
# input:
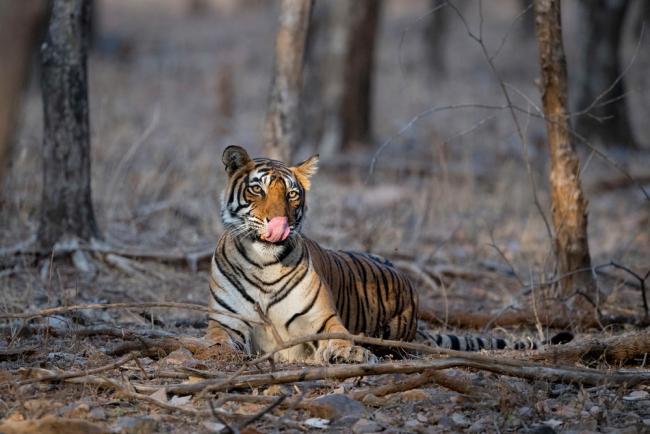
<point x="264" y="199"/>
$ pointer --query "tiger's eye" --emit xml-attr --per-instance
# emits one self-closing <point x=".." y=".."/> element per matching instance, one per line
<point x="255" y="189"/>
<point x="293" y="194"/>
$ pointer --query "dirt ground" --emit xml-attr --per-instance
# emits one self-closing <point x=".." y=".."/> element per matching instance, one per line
<point x="449" y="201"/>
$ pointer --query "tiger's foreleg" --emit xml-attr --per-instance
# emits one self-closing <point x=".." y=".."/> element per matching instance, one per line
<point x="337" y="350"/>
<point x="219" y="335"/>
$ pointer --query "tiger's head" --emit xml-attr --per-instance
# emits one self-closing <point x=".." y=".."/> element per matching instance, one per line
<point x="264" y="199"/>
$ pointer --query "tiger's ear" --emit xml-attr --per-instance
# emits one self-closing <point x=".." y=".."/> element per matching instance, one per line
<point x="305" y="170"/>
<point x="234" y="158"/>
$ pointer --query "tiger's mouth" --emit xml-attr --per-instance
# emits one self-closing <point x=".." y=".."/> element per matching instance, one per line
<point x="276" y="230"/>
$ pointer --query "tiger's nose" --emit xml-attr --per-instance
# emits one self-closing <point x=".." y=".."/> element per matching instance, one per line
<point x="277" y="229"/>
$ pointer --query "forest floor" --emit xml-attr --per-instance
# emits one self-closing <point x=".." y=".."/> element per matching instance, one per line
<point x="449" y="202"/>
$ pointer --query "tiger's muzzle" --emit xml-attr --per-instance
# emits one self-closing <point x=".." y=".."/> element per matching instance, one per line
<point x="276" y="230"/>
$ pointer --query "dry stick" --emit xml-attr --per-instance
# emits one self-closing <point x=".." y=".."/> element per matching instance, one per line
<point x="340" y="372"/>
<point x="615" y="349"/>
<point x="264" y="411"/>
<point x="426" y="377"/>
<point x="67" y="375"/>
<point x="220" y="419"/>
<point x="269" y="324"/>
<point x="117" y="332"/>
<point x="169" y="305"/>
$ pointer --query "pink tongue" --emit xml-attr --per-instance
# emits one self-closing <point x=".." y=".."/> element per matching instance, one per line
<point x="277" y="229"/>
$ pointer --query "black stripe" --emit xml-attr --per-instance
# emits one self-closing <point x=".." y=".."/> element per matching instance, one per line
<point x="230" y="278"/>
<point x="346" y="276"/>
<point x="341" y="293"/>
<point x="222" y="303"/>
<point x="244" y="254"/>
<point x="283" y="255"/>
<point x="360" y="308"/>
<point x="386" y="287"/>
<point x="287" y="288"/>
<point x="228" y="328"/>
<point x="322" y="327"/>
<point x="305" y="310"/>
<point x="380" y="305"/>
<point x="501" y="344"/>
<point x="454" y="342"/>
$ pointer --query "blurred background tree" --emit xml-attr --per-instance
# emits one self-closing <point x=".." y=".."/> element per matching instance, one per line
<point x="21" y="29"/>
<point x="340" y="75"/>
<point x="282" y="134"/>
<point x="66" y="206"/>
<point x="601" y="85"/>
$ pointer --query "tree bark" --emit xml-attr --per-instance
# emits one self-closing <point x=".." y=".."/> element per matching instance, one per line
<point x="283" y="116"/>
<point x="568" y="202"/>
<point x="20" y="30"/>
<point x="606" y="120"/>
<point x="66" y="208"/>
<point x="340" y="74"/>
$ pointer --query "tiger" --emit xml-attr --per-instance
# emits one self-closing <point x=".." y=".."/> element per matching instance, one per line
<point x="269" y="283"/>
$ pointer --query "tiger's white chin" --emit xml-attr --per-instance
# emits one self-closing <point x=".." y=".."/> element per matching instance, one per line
<point x="267" y="250"/>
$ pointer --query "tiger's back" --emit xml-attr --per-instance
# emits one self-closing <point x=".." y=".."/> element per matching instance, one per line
<point x="372" y="298"/>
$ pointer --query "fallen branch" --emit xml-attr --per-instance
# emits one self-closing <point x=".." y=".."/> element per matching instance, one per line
<point x="27" y="330"/>
<point x="67" y="375"/>
<point x="145" y="305"/>
<point x="530" y="371"/>
<point x="427" y="377"/>
<point x="615" y="349"/>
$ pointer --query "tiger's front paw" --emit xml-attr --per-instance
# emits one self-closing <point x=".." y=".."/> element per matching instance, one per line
<point x="219" y="345"/>
<point x="341" y="351"/>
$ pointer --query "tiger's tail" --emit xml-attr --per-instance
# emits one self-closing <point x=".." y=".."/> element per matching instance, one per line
<point x="478" y="343"/>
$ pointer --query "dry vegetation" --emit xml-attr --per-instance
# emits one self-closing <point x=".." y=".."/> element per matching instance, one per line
<point x="449" y="201"/>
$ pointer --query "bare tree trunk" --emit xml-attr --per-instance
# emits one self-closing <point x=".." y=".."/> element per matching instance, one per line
<point x="606" y="120"/>
<point x="66" y="208"/>
<point x="339" y="74"/>
<point x="358" y="78"/>
<point x="528" y="19"/>
<point x="282" y="120"/>
<point x="568" y="202"/>
<point x="435" y="31"/>
<point x="20" y="30"/>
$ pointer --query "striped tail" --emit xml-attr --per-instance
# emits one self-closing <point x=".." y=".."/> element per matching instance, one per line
<point x="478" y="343"/>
